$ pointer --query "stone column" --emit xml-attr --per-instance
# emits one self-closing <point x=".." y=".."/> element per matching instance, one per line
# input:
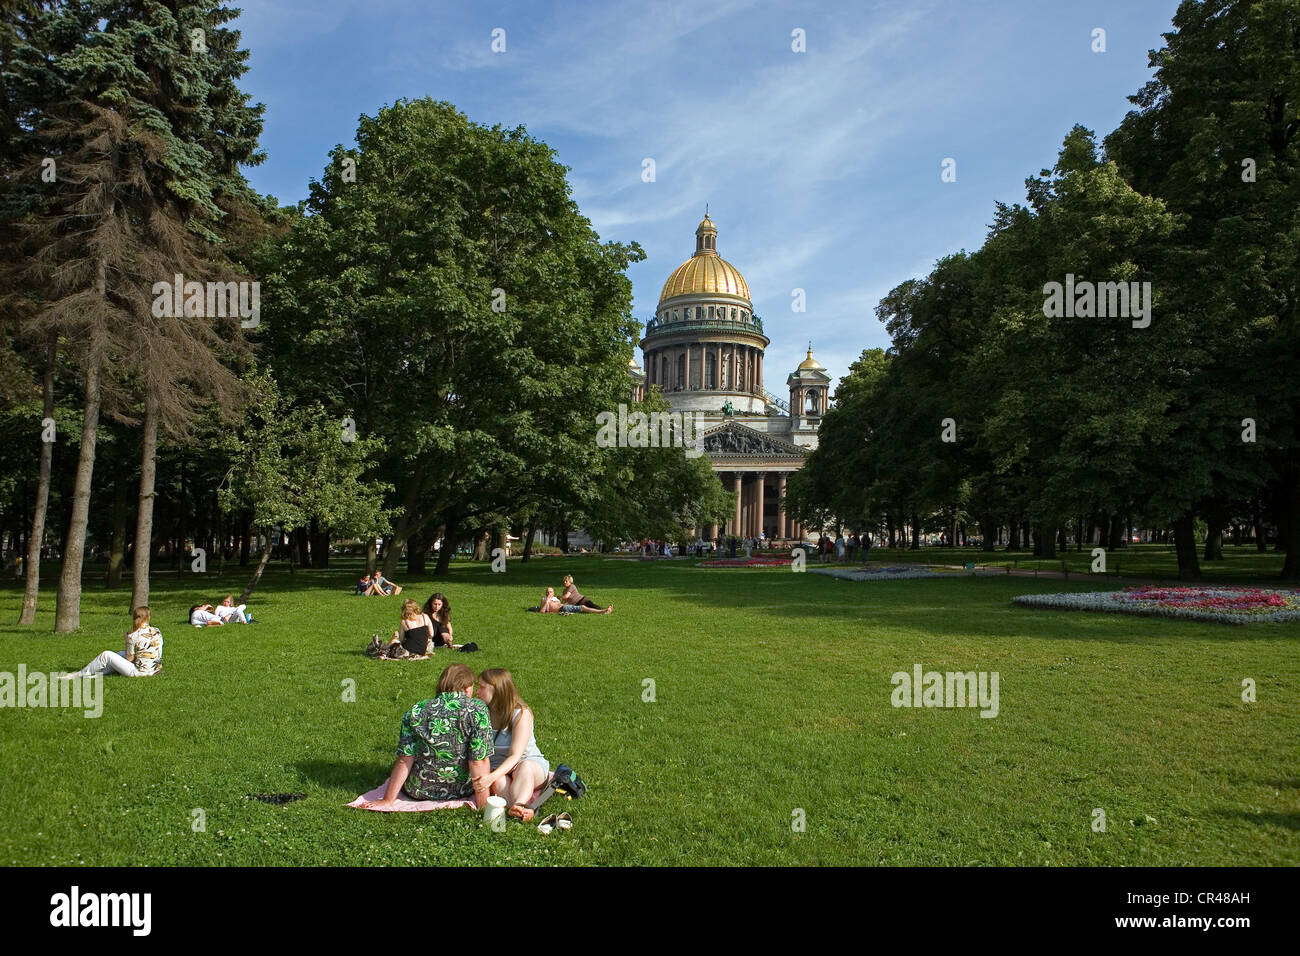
<point x="758" y="505"/>
<point x="780" y="508"/>
<point x="737" y="485"/>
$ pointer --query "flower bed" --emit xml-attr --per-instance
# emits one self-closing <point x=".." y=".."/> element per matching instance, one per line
<point x="745" y="563"/>
<point x="1224" y="605"/>
<point x="895" y="572"/>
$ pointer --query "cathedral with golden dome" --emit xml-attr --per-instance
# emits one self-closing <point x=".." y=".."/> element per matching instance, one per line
<point x="703" y="350"/>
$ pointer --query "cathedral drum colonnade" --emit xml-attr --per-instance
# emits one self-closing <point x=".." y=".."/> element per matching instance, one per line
<point x="704" y="351"/>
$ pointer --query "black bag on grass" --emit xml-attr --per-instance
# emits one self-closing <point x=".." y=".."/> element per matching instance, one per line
<point x="567" y="782"/>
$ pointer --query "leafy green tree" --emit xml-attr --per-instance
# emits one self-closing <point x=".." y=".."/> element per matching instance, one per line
<point x="137" y="115"/>
<point x="292" y="464"/>
<point x="1215" y="136"/>
<point x="445" y="293"/>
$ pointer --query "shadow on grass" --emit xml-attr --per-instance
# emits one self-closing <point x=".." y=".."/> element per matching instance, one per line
<point x="355" y="777"/>
<point x="1287" y="821"/>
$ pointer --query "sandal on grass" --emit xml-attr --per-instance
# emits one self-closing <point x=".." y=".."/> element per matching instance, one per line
<point x="564" y="821"/>
<point x="547" y="825"/>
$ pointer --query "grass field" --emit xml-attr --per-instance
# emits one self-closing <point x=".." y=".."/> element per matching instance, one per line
<point x="772" y="696"/>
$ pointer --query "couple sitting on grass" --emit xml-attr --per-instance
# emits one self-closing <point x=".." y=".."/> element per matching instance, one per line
<point x="206" y="615"/>
<point x="377" y="586"/>
<point x="458" y="745"/>
<point x="419" y="632"/>
<point x="570" y="602"/>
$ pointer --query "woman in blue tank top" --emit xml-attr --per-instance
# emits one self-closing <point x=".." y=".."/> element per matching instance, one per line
<point x="517" y="765"/>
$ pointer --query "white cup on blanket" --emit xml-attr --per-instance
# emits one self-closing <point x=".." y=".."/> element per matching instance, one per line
<point x="494" y="811"/>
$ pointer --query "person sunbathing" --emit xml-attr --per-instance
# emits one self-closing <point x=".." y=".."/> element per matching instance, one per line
<point x="228" y="611"/>
<point x="550" y="603"/>
<point x="444" y="746"/>
<point x="143" y="655"/>
<point x="571" y="596"/>
<point x="205" y="615"/>
<point x="517" y="765"/>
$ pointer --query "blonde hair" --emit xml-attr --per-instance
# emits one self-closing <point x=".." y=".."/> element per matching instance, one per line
<point x="410" y="610"/>
<point x="140" y="616"/>
<point x="505" y="696"/>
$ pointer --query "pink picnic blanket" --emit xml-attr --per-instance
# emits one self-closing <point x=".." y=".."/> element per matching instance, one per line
<point x="406" y="805"/>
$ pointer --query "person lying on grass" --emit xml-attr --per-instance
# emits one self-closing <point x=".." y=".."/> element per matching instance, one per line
<point x="228" y="611"/>
<point x="205" y="615"/>
<point x="517" y="766"/>
<point x="550" y="603"/>
<point x="143" y="655"/>
<point x="444" y="746"/>
<point x="439" y="611"/>
<point x="571" y="596"/>
<point x="553" y="605"/>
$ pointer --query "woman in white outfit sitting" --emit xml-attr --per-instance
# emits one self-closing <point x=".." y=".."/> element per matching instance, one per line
<point x="143" y="656"/>
<point x="228" y="611"/>
<point x="517" y="767"/>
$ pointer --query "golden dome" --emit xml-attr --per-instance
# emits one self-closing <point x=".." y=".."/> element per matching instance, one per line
<point x="811" y="363"/>
<point x="706" y="272"/>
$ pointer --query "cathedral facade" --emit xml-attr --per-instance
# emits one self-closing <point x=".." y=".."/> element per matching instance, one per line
<point x="704" y="351"/>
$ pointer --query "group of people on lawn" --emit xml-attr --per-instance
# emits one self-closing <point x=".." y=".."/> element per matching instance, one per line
<point x="474" y="739"/>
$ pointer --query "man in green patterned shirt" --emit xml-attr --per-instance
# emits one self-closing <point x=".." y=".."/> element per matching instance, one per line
<point x="445" y="742"/>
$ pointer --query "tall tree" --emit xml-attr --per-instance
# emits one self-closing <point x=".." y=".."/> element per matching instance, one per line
<point x="143" y="126"/>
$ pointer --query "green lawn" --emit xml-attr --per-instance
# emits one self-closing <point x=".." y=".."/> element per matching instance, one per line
<point x="772" y="695"/>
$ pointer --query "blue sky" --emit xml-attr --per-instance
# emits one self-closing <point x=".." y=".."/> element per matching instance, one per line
<point x="821" y="169"/>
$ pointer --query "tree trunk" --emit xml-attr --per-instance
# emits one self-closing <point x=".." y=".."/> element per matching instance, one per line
<point x="144" y="509"/>
<point x="1118" y="532"/>
<point x="371" y="559"/>
<point x="417" y="551"/>
<point x="529" y="533"/>
<point x="916" y="532"/>
<point x="450" y="534"/>
<point x="1261" y="538"/>
<point x="1013" y="534"/>
<point x="245" y="532"/>
<point x="67" y="611"/>
<point x="117" y="550"/>
<point x="1185" y="547"/>
<point x="1288" y="533"/>
<point x="891" y="530"/>
<point x="1045" y="541"/>
<point x="320" y="545"/>
<point x="1215" y="516"/>
<point x="562" y="535"/>
<point x="32" y="586"/>
<point x="257" y="574"/>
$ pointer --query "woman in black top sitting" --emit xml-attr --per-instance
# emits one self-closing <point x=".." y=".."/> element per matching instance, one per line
<point x="415" y="631"/>
<point x="439" y="613"/>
